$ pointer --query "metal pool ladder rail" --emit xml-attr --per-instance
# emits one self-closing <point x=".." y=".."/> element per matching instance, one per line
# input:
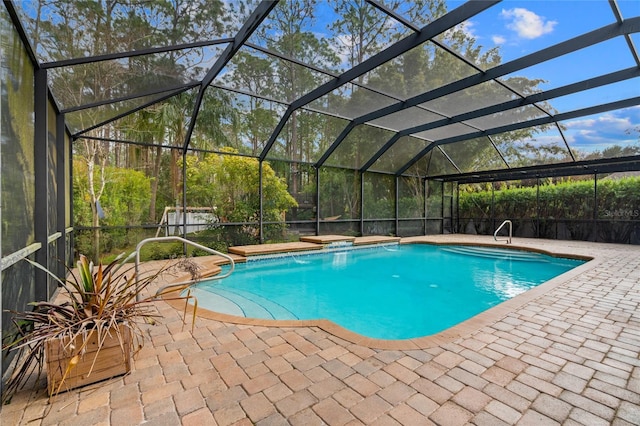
<point x="495" y="234"/>
<point x="185" y="241"/>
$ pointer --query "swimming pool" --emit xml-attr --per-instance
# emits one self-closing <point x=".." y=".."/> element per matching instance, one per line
<point x="387" y="292"/>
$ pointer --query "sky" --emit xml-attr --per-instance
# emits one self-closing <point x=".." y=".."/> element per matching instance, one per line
<point x="523" y="27"/>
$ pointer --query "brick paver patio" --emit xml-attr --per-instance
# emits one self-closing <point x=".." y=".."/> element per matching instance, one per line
<point x="569" y="356"/>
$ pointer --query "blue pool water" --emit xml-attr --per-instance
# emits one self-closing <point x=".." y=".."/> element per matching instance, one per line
<point x="388" y="292"/>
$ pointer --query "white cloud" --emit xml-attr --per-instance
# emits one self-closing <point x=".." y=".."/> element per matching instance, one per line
<point x="598" y="133"/>
<point x="526" y="23"/>
<point x="466" y="28"/>
<point x="606" y="121"/>
<point x="498" y="39"/>
<point x="589" y="122"/>
<point x="617" y="123"/>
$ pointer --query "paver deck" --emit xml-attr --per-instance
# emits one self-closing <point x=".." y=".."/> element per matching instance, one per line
<point x="569" y="355"/>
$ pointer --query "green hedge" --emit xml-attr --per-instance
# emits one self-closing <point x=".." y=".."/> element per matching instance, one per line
<point x="618" y="199"/>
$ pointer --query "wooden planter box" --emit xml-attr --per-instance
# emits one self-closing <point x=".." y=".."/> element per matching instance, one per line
<point x="112" y="360"/>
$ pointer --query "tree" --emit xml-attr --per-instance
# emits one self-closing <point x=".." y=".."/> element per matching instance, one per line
<point x="257" y="119"/>
<point x="357" y="35"/>
<point x="229" y="184"/>
<point x="287" y="31"/>
<point x="92" y="28"/>
<point x="360" y="31"/>
<point x="611" y="152"/>
<point x="338" y="196"/>
<point x="123" y="201"/>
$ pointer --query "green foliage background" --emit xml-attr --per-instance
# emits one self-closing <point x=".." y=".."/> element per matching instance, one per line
<point x="567" y="199"/>
<point x="618" y="205"/>
<point x="125" y="202"/>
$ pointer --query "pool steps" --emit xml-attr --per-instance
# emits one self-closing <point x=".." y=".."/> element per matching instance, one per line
<point x="273" y="308"/>
<point x="243" y="303"/>
<point x="221" y="303"/>
<point x="505" y="254"/>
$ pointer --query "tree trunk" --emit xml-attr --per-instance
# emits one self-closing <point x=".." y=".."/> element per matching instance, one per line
<point x="95" y="255"/>
<point x="154" y="185"/>
<point x="175" y="176"/>
<point x="95" y="220"/>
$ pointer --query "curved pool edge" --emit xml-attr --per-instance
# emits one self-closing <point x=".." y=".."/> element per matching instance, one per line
<point x="449" y="335"/>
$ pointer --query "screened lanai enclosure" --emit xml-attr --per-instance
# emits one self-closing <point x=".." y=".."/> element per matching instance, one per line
<point x="242" y="122"/>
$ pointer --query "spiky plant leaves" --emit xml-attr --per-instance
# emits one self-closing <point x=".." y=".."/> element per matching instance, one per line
<point x="94" y="301"/>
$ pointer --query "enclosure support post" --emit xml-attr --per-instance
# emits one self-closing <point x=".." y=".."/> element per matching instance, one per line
<point x="260" y="196"/>
<point x="425" y="191"/>
<point x="362" y="203"/>
<point x="397" y="206"/>
<point x="595" y="206"/>
<point x="317" y="200"/>
<point x="442" y="207"/>
<point x="41" y="168"/>
<point x="72" y="238"/>
<point x="537" y="207"/>
<point x="493" y="212"/>
<point x="442" y="203"/>
<point x="451" y="213"/>
<point x="457" y="228"/>
<point x="184" y="200"/>
<point x="62" y="164"/>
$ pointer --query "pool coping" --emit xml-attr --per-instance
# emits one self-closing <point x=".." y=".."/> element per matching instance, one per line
<point x="451" y="334"/>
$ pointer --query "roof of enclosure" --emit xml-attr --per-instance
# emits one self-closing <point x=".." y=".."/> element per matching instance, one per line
<point x="455" y="90"/>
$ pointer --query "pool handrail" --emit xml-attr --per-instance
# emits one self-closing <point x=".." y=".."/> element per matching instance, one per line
<point x="184" y="241"/>
<point x="495" y="234"/>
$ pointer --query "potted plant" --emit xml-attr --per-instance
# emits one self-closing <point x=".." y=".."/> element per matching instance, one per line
<point x="88" y="332"/>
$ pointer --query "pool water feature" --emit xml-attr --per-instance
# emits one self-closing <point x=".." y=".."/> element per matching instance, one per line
<point x="389" y="292"/>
